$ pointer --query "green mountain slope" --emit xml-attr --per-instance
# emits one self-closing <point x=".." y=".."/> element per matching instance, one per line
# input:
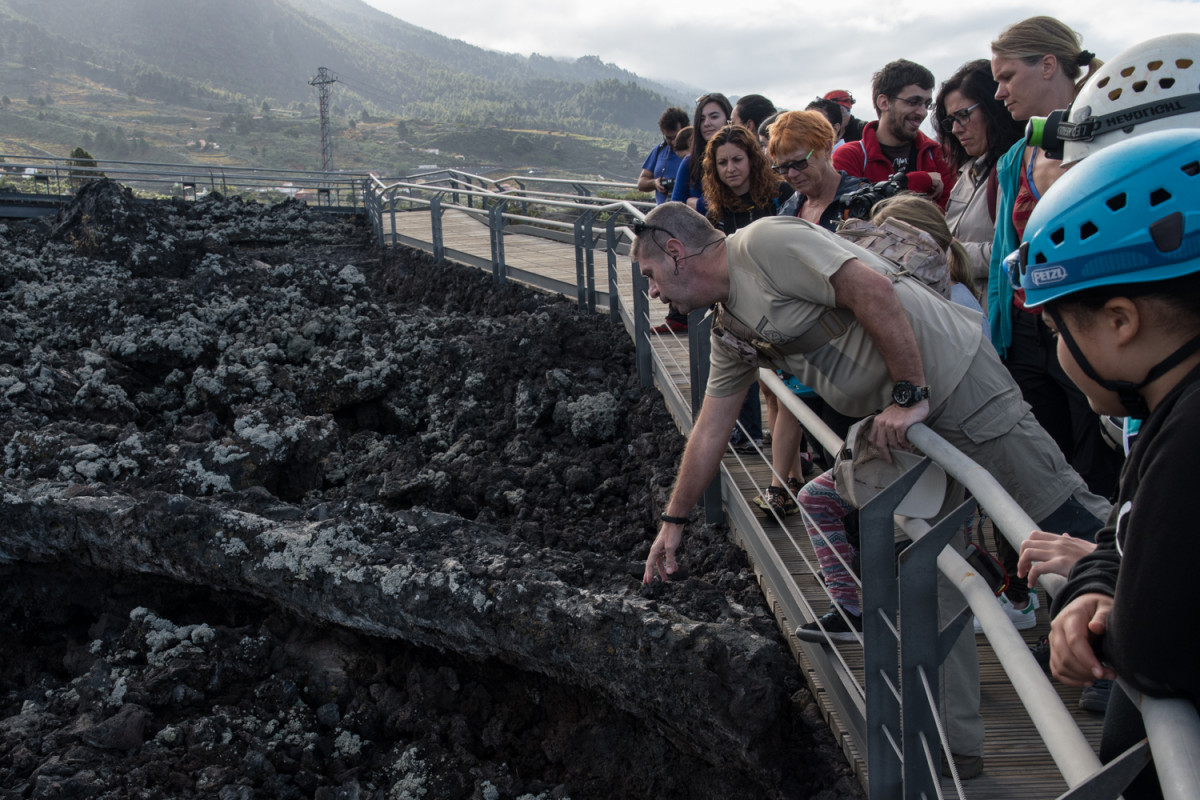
<point x="269" y="49"/>
<point x="227" y="82"/>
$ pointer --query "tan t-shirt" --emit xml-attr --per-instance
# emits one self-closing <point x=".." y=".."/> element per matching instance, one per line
<point x="779" y="271"/>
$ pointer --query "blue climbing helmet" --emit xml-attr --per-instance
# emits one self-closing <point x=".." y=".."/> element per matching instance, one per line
<point x="1127" y="214"/>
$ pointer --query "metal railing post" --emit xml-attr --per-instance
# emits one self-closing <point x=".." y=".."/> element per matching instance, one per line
<point x="585" y="279"/>
<point x="390" y="200"/>
<point x="923" y="648"/>
<point x="435" y="225"/>
<point x="374" y="211"/>
<point x="641" y="327"/>
<point x="881" y="661"/>
<point x="496" y="231"/>
<point x="610" y="249"/>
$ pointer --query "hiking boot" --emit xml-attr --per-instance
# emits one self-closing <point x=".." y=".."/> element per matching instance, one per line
<point x="670" y="326"/>
<point x="835" y="625"/>
<point x="808" y="467"/>
<point x="1022" y="618"/>
<point x="967" y="766"/>
<point x="1094" y="698"/>
<point x="1041" y="653"/>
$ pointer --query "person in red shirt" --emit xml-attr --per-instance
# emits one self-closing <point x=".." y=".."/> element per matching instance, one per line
<point x="903" y="95"/>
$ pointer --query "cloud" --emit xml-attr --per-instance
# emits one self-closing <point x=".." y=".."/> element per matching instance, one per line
<point x="787" y="51"/>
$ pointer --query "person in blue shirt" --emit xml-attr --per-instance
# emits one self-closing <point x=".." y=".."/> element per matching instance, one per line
<point x="661" y="166"/>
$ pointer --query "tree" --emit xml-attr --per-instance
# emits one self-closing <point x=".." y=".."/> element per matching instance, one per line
<point x="265" y="108"/>
<point x="83" y="168"/>
<point x="522" y="144"/>
<point x="632" y="152"/>
<point x="401" y="129"/>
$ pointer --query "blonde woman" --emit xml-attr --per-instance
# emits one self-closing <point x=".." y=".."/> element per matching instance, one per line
<point x="1039" y="65"/>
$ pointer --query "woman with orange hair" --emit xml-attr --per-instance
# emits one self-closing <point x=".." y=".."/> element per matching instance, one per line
<point x="802" y="149"/>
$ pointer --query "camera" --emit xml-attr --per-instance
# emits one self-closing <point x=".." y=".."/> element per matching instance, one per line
<point x="859" y="202"/>
<point x="667" y="183"/>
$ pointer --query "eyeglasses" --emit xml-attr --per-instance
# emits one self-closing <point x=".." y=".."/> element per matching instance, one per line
<point x="799" y="165"/>
<point x="916" y="101"/>
<point x="962" y="117"/>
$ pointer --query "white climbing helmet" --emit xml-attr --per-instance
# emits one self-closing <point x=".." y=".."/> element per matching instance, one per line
<point x="1154" y="85"/>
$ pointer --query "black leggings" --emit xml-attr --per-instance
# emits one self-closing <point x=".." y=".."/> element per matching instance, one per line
<point x="1062" y="409"/>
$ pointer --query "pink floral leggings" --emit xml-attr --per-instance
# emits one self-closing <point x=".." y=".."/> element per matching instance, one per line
<point x="823" y="511"/>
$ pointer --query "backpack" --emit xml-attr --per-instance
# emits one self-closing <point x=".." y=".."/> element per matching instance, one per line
<point x="906" y="246"/>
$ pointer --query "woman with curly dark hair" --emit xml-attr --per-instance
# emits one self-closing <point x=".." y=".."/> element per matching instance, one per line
<point x="739" y="188"/>
<point x="739" y="185"/>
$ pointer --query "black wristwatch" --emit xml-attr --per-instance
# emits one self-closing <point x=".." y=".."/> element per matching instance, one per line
<point x="906" y="395"/>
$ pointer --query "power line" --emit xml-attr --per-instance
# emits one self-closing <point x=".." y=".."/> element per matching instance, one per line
<point x="362" y="86"/>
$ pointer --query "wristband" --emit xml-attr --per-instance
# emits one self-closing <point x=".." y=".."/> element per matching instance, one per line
<point x="665" y="517"/>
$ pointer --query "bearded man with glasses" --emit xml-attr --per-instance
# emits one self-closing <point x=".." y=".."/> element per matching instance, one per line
<point x="903" y="94"/>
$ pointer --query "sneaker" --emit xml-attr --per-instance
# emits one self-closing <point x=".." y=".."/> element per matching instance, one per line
<point x="1022" y="619"/>
<point x="670" y="326"/>
<point x="746" y="446"/>
<point x="1094" y="698"/>
<point x="967" y="766"/>
<point x="835" y="625"/>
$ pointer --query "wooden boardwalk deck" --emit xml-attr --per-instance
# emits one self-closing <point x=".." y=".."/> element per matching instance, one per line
<point x="1016" y="762"/>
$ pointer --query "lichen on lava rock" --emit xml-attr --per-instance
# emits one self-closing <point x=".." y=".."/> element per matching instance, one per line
<point x="332" y="449"/>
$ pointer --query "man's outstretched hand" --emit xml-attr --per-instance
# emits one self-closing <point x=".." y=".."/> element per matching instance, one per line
<point x="662" y="553"/>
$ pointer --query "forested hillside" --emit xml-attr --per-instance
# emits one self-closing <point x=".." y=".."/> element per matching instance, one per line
<point x="73" y="72"/>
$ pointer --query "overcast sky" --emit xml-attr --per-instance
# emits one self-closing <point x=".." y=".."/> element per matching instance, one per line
<point x="786" y="50"/>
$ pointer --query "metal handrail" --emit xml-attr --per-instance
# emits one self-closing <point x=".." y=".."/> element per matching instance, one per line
<point x="218" y="177"/>
<point x="1173" y="726"/>
<point x="580" y="184"/>
<point x="381" y="198"/>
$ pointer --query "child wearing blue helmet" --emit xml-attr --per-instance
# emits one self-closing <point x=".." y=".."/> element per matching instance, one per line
<point x="1112" y="253"/>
